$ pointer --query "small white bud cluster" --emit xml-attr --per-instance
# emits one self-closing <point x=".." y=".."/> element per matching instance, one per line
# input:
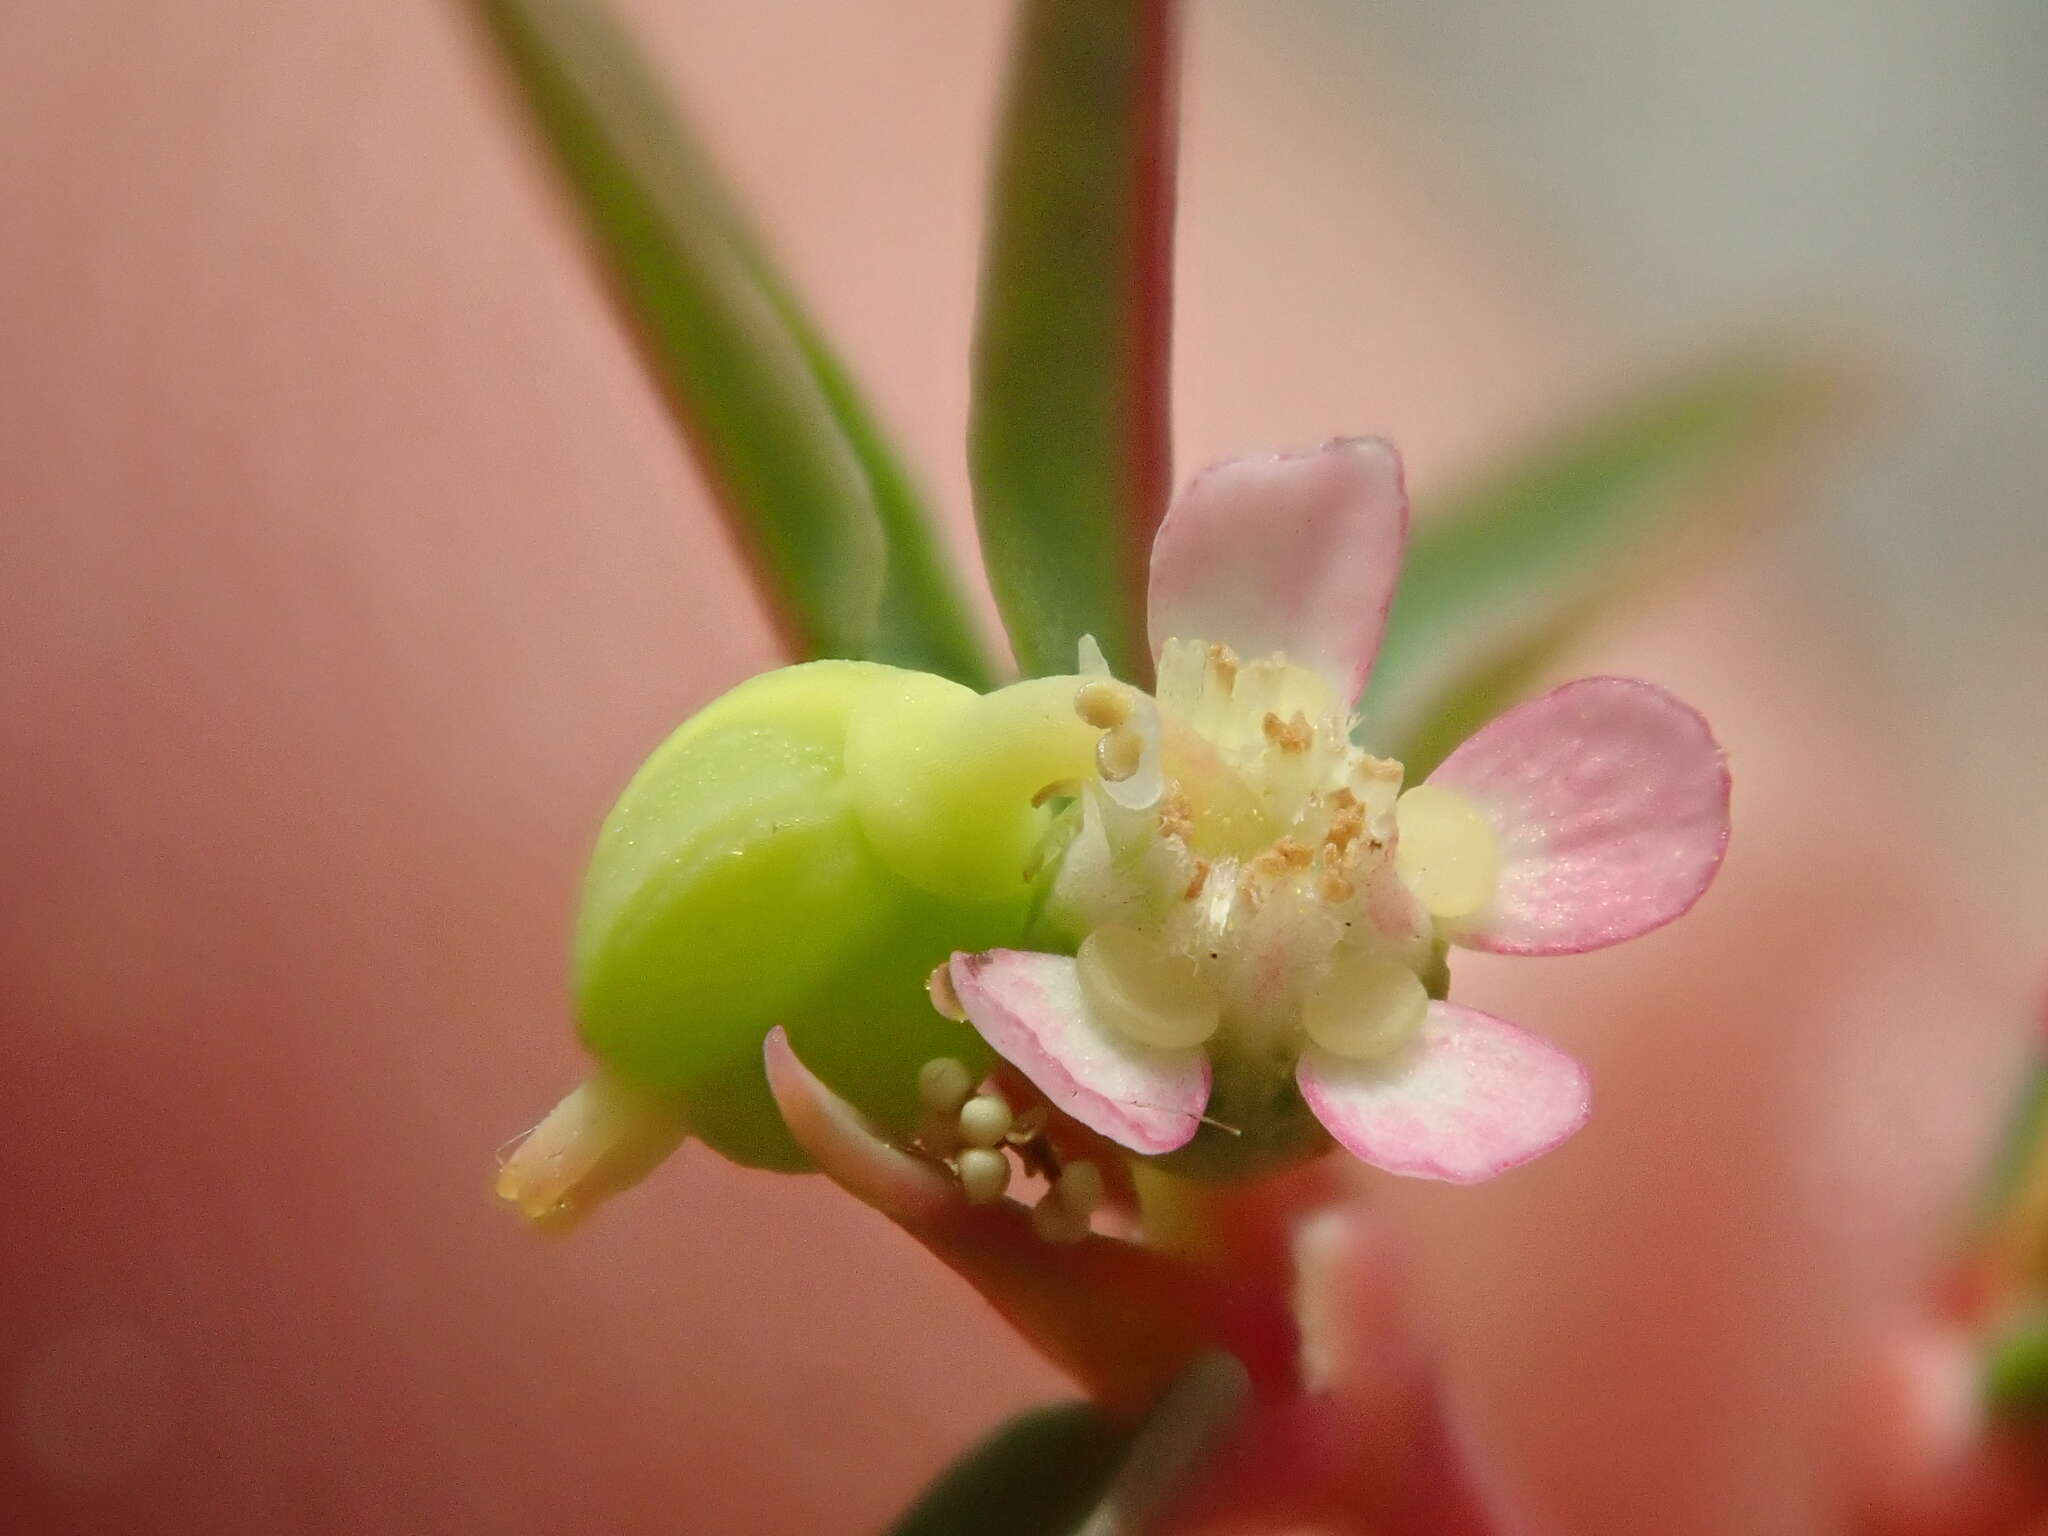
<point x="975" y="1131"/>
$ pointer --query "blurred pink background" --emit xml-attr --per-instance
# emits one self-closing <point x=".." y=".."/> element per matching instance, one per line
<point x="348" y="569"/>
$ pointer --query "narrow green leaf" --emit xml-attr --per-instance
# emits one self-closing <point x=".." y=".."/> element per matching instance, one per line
<point x="1069" y="444"/>
<point x="839" y="543"/>
<point x="1038" y="1475"/>
<point x="2015" y="1366"/>
<point x="1497" y="581"/>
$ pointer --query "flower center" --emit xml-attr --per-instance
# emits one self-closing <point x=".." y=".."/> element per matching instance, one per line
<point x="1241" y="869"/>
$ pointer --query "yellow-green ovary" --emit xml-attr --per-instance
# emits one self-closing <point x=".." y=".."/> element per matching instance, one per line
<point x="804" y="852"/>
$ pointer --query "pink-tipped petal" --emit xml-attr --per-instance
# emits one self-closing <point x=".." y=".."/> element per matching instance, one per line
<point x="1610" y="800"/>
<point x="1028" y="1006"/>
<point x="1473" y="1097"/>
<point x="1296" y="553"/>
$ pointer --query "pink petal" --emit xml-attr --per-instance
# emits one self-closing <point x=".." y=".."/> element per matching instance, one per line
<point x="1473" y="1097"/>
<point x="1028" y="1006"/>
<point x="1610" y="799"/>
<point x="1296" y="553"/>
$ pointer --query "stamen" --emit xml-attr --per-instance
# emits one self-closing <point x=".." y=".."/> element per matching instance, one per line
<point x="1346" y="823"/>
<point x="1286" y="856"/>
<point x="1143" y="992"/>
<point x="1223" y="666"/>
<point x="1103" y="704"/>
<point x="1336" y="887"/>
<point x="1119" y="754"/>
<point x="1292" y="735"/>
<point x="1176" y="814"/>
<point x="1200" y="878"/>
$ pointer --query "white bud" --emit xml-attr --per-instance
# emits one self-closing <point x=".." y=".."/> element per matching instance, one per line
<point x="984" y="1120"/>
<point x="943" y="1085"/>
<point x="984" y="1175"/>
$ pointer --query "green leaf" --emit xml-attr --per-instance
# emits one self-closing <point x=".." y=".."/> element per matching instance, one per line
<point x="2015" y="1366"/>
<point x="1068" y="444"/>
<point x="1038" y="1475"/>
<point x="839" y="543"/>
<point x="1070" y="1471"/>
<point x="1499" y="579"/>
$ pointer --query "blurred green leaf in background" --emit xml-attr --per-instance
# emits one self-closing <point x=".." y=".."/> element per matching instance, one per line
<point x="841" y="547"/>
<point x="1499" y="578"/>
<point x="1069" y="443"/>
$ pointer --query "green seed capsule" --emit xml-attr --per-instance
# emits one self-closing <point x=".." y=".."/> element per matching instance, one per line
<point x="752" y="875"/>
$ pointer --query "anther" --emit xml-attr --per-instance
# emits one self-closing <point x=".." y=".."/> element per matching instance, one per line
<point x="1195" y="884"/>
<point x="1345" y="825"/>
<point x="1287" y="856"/>
<point x="984" y="1175"/>
<point x="945" y="1001"/>
<point x="1103" y="705"/>
<point x="1336" y="887"/>
<point x="1223" y="663"/>
<point x="1176" y="814"/>
<point x="1119" y="753"/>
<point x="1291" y="735"/>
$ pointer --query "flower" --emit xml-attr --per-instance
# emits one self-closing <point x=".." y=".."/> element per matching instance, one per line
<point x="1200" y="922"/>
<point x="1246" y="934"/>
